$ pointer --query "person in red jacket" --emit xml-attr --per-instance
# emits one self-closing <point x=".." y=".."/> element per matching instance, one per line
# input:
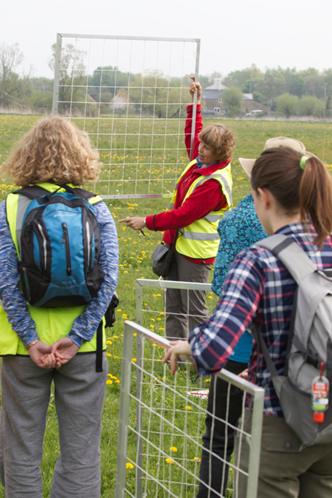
<point x="202" y="195"/>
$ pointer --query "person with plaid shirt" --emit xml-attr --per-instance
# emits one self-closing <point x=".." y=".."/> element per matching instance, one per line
<point x="288" y="189"/>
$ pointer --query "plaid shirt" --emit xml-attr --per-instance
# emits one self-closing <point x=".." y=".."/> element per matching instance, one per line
<point x="258" y="287"/>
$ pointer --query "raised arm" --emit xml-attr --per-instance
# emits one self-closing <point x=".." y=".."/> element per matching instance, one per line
<point x="194" y="88"/>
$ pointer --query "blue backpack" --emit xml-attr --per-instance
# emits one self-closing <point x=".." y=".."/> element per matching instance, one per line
<point x="59" y="247"/>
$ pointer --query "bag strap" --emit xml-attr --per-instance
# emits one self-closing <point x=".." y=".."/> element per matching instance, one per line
<point x="174" y="240"/>
<point x="99" y="350"/>
<point x="32" y="192"/>
<point x="36" y="191"/>
<point x="263" y="347"/>
<point x="290" y="254"/>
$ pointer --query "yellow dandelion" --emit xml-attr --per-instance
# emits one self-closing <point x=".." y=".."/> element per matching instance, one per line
<point x="129" y="465"/>
<point x="169" y="460"/>
<point x="173" y="448"/>
<point x="134" y="359"/>
<point x="198" y="459"/>
<point x="188" y="407"/>
<point x="109" y="381"/>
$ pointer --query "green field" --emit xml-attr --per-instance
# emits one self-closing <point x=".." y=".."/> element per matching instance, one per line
<point x="135" y="251"/>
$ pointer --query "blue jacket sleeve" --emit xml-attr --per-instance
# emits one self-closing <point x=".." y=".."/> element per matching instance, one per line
<point x="11" y="296"/>
<point x="85" y="325"/>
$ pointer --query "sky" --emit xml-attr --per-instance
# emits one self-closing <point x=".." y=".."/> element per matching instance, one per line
<point x="233" y="34"/>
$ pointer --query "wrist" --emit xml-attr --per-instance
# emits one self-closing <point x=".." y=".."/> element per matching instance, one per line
<point x="28" y="346"/>
<point x="144" y="222"/>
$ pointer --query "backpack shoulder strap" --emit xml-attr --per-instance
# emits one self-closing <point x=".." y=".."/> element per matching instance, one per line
<point x="290" y="254"/>
<point x="88" y="196"/>
<point x="32" y="192"/>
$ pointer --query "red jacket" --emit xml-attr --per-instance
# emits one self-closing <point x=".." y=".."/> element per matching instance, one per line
<point x="205" y="198"/>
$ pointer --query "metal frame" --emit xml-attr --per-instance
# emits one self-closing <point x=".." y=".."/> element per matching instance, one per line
<point x="60" y="36"/>
<point x="163" y="284"/>
<point x="256" y="392"/>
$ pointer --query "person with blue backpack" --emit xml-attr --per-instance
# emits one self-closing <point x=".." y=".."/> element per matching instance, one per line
<point x="58" y="273"/>
<point x="293" y="200"/>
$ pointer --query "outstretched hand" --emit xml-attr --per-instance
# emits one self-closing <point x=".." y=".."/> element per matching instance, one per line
<point x="64" y="350"/>
<point x="41" y="354"/>
<point x="180" y="348"/>
<point x="136" y="223"/>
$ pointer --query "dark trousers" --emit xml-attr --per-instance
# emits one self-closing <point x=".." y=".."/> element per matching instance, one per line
<point x="219" y="438"/>
<point x="185" y="309"/>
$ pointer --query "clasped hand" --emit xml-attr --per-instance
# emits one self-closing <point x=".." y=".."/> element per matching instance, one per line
<point x="46" y="356"/>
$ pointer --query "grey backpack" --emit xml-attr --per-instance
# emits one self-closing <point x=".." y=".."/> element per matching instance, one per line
<point x="309" y="342"/>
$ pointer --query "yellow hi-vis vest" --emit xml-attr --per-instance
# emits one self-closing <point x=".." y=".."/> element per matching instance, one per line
<point x="200" y="240"/>
<point x="51" y="323"/>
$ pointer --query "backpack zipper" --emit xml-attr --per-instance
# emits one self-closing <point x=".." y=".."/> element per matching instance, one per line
<point x="65" y="241"/>
<point x="40" y="228"/>
<point x="88" y="239"/>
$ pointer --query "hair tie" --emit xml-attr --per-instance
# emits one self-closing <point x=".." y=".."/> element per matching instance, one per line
<point x="303" y="161"/>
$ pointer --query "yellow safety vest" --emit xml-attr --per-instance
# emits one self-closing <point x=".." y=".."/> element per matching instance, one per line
<point x="51" y="323"/>
<point x="200" y="240"/>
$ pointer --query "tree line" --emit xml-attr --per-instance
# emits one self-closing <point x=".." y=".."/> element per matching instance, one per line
<point x="287" y="91"/>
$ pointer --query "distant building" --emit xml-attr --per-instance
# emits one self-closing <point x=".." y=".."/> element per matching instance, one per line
<point x="212" y="100"/>
<point x="119" y="102"/>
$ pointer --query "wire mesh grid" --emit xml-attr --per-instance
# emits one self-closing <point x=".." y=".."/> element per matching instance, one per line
<point x="152" y="297"/>
<point x="162" y="422"/>
<point x="130" y="95"/>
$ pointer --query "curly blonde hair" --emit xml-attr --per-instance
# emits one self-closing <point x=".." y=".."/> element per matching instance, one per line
<point x="53" y="151"/>
<point x="219" y="139"/>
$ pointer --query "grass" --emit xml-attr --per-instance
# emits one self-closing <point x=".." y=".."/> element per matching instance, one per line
<point x="135" y="250"/>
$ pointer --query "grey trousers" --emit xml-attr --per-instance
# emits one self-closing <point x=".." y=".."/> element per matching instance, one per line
<point x="180" y="303"/>
<point x="79" y="395"/>
<point x="284" y="470"/>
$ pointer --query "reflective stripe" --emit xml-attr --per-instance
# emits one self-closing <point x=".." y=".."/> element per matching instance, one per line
<point x="170" y="205"/>
<point x="95" y="200"/>
<point x="200" y="236"/>
<point x="23" y="203"/>
<point x="213" y="217"/>
<point x="224" y="181"/>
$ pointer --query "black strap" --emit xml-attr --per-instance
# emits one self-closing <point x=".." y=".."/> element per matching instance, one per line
<point x="32" y="192"/>
<point x="35" y="191"/>
<point x="262" y="345"/>
<point x="99" y="351"/>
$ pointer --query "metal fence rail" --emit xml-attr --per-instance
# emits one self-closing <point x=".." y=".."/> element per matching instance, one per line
<point x="161" y="421"/>
<point x="151" y="298"/>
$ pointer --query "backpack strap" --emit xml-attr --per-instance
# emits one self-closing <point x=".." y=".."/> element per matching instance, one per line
<point x="290" y="254"/>
<point x="36" y="191"/>
<point x="32" y="192"/>
<point x="261" y="345"/>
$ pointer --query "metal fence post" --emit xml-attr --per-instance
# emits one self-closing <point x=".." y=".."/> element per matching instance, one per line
<point x="139" y="390"/>
<point x="139" y="302"/>
<point x="128" y="340"/>
<point x="255" y="444"/>
<point x="58" y="48"/>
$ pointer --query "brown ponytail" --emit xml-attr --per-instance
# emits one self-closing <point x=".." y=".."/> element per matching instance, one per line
<point x="308" y="191"/>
